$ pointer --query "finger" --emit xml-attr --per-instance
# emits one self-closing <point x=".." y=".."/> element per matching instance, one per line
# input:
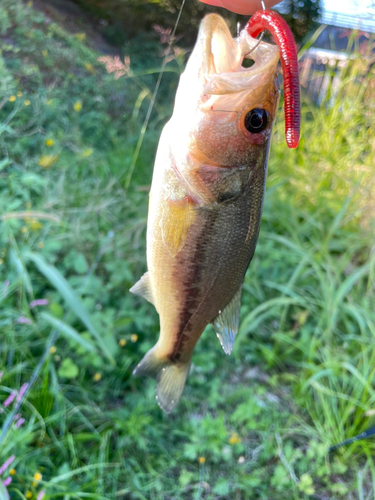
<point x="245" y="7"/>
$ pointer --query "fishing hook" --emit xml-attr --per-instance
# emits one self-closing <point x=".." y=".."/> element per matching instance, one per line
<point x="261" y="35"/>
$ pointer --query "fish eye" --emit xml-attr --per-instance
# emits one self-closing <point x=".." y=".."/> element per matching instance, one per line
<point x="256" y="120"/>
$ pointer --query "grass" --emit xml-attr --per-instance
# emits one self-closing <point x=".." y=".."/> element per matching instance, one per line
<point x="256" y="425"/>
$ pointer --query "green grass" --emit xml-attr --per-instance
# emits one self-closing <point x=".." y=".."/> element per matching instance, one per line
<point x="255" y="425"/>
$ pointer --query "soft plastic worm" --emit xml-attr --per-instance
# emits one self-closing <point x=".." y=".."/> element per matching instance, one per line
<point x="273" y="22"/>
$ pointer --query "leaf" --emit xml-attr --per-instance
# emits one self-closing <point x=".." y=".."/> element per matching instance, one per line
<point x="68" y="331"/>
<point x="71" y="298"/>
<point x="21" y="270"/>
<point x="268" y="306"/>
<point x="56" y="310"/>
<point x="80" y="264"/>
<point x="33" y="180"/>
<point x="311" y="41"/>
<point x="3" y="164"/>
<point x="68" y="369"/>
<point x="4" y="492"/>
<point x="221" y="487"/>
<point x="343" y="290"/>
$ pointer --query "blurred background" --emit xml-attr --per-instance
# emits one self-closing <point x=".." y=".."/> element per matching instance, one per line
<point x="76" y="160"/>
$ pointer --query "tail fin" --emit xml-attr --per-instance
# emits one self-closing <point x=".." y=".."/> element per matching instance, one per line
<point x="171" y="378"/>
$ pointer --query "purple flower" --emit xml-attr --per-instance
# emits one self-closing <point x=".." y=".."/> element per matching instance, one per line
<point x="38" y="302"/>
<point x="40" y="495"/>
<point x="9" y="400"/>
<point x="7" y="481"/>
<point x="22" y="392"/>
<point x="7" y="464"/>
<point x="23" y="320"/>
<point x="19" y="423"/>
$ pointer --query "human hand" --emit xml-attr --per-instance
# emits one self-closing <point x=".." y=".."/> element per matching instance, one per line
<point x="245" y="7"/>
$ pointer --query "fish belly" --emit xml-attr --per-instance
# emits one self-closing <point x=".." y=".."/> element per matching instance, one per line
<point x="195" y="274"/>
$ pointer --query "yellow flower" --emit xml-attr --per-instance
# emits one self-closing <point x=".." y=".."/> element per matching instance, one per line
<point x="12" y="472"/>
<point x="90" y="68"/>
<point x="40" y="244"/>
<point x="27" y="102"/>
<point x="35" y="224"/>
<point x="28" y="494"/>
<point x="134" y="337"/>
<point x="77" y="106"/>
<point x="235" y="439"/>
<point x="87" y="152"/>
<point x="47" y="161"/>
<point x="24" y="229"/>
<point x="45" y="53"/>
<point x="122" y="342"/>
<point x="49" y="102"/>
<point x="52" y="349"/>
<point x="38" y="476"/>
<point x="97" y="377"/>
<point x="29" y="4"/>
<point x="19" y="94"/>
<point x="80" y="36"/>
<point x="34" y="483"/>
<point x="201" y="460"/>
<point x="49" y="142"/>
<point x="12" y="98"/>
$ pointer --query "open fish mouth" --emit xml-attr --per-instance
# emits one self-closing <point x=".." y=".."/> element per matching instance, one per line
<point x="223" y="57"/>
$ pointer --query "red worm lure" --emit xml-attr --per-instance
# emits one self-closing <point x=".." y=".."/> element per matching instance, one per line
<point x="273" y="22"/>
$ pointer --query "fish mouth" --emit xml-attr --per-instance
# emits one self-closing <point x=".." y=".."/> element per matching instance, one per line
<point x="223" y="57"/>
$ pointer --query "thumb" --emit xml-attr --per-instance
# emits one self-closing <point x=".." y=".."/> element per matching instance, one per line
<point x="244" y="7"/>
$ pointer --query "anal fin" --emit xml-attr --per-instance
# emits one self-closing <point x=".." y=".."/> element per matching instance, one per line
<point x="143" y="288"/>
<point x="227" y="322"/>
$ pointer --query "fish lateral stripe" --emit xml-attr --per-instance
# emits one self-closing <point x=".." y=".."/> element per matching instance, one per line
<point x="191" y="294"/>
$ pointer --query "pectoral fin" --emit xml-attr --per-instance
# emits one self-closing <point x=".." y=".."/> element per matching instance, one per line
<point x="177" y="218"/>
<point x="226" y="323"/>
<point x="143" y="288"/>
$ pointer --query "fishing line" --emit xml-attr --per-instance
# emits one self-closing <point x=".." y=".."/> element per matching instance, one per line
<point x="152" y="102"/>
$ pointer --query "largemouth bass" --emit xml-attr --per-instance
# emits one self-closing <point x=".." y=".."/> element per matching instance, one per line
<point x="206" y="198"/>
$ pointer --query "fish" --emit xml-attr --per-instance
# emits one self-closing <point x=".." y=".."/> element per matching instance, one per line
<point x="206" y="198"/>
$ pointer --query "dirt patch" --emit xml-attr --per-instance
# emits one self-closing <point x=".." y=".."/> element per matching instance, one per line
<point x="75" y="20"/>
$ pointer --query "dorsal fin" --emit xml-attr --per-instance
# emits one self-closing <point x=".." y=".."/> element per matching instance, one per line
<point x="143" y="288"/>
<point x="226" y="323"/>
